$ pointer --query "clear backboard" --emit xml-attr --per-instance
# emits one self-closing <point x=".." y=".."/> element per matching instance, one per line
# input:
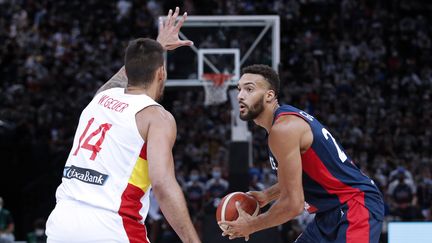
<point x="223" y="44"/>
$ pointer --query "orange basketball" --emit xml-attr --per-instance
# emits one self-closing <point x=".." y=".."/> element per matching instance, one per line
<point x="227" y="211"/>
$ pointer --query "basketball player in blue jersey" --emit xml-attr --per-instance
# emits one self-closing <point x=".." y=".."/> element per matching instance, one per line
<point x="314" y="173"/>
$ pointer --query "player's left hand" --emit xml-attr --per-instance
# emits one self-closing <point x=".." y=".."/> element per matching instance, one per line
<point x="241" y="227"/>
<point x="169" y="31"/>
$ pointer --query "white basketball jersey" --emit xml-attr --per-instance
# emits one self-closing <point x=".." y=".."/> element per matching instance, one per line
<point x="107" y="167"/>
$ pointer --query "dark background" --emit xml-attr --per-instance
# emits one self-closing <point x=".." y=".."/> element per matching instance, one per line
<point x="362" y="67"/>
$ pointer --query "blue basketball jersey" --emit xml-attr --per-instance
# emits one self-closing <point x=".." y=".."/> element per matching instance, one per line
<point x="330" y="178"/>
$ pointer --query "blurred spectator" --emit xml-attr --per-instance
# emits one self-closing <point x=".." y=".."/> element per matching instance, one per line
<point x="155" y="219"/>
<point x="38" y="234"/>
<point x="292" y="229"/>
<point x="123" y="7"/>
<point x="268" y="178"/>
<point x="402" y="188"/>
<point x="255" y="184"/>
<point x="424" y="191"/>
<point x="402" y="193"/>
<point x="397" y="173"/>
<point x="217" y="186"/>
<point x="195" y="191"/>
<point x="6" y="224"/>
<point x="167" y="234"/>
<point x="362" y="67"/>
<point x="255" y="178"/>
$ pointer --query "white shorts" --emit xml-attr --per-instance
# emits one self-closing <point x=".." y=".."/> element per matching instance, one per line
<point x="72" y="221"/>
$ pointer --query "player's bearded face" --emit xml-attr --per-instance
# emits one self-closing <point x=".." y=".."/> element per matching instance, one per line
<point x="250" y="112"/>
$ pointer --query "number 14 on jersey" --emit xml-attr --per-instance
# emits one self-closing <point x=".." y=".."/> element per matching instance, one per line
<point x="95" y="148"/>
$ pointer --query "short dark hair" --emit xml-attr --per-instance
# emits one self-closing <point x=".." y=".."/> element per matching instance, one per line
<point x="267" y="72"/>
<point x="143" y="57"/>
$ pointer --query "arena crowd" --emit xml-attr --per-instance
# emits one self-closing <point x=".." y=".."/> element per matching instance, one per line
<point x="362" y="67"/>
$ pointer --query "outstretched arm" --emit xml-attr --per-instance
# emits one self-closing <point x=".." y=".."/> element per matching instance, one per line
<point x="160" y="140"/>
<point x="169" y="39"/>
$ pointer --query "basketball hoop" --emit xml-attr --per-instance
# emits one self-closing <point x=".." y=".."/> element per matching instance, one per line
<point x="215" y="87"/>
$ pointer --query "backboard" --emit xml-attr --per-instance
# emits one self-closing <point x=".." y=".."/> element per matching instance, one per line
<point x="223" y="44"/>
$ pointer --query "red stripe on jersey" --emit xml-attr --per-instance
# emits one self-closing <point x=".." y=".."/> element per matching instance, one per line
<point x="311" y="208"/>
<point x="358" y="219"/>
<point x="143" y="153"/>
<point x="129" y="212"/>
<point x="358" y="214"/>
<point x="316" y="169"/>
<point x="287" y="113"/>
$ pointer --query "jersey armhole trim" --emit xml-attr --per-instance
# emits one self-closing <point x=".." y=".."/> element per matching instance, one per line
<point x="289" y="113"/>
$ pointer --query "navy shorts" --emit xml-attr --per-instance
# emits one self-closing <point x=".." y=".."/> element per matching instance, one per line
<point x="350" y="223"/>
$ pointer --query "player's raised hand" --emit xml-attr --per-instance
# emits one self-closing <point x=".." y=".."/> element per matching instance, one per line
<point x="168" y="31"/>
<point x="260" y="196"/>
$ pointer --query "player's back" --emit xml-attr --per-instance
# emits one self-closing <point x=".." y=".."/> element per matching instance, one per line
<point x="330" y="177"/>
<point x="106" y="173"/>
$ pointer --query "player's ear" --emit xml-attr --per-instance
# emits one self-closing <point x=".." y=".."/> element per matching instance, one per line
<point x="270" y="96"/>
<point x="161" y="73"/>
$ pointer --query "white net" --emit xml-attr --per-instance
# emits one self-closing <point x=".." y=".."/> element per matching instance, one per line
<point x="215" y="92"/>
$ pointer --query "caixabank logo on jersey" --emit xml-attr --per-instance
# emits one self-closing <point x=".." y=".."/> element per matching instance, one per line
<point x="84" y="175"/>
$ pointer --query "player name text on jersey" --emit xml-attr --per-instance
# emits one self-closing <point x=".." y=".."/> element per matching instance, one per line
<point x="112" y="104"/>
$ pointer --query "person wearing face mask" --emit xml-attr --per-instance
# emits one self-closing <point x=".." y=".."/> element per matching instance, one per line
<point x="195" y="191"/>
<point x="6" y="225"/>
<point x="217" y="186"/>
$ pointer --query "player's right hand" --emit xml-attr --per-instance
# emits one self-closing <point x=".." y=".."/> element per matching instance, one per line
<point x="169" y="31"/>
<point x="260" y="196"/>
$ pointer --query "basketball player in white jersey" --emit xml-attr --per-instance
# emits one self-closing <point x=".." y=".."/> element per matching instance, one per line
<point x="122" y="149"/>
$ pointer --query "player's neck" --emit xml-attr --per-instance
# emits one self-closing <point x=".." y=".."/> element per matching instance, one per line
<point x="138" y="90"/>
<point x="265" y="119"/>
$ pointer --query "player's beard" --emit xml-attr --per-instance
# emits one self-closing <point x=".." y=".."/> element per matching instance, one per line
<point x="254" y="111"/>
<point x="161" y="91"/>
